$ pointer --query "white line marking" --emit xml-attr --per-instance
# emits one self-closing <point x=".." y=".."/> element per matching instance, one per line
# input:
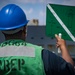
<point x="61" y="23"/>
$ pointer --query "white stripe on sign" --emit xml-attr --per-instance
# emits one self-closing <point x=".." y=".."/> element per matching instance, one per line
<point x="61" y="22"/>
<point x="17" y="51"/>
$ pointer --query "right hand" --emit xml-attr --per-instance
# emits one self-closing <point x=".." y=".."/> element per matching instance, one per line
<point x="60" y="42"/>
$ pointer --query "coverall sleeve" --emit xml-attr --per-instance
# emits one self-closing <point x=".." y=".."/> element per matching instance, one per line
<point x="56" y="65"/>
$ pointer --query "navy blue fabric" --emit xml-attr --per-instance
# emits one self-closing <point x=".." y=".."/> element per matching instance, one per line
<point x="55" y="65"/>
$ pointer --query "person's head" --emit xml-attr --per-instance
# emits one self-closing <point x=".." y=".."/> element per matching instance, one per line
<point x="13" y="22"/>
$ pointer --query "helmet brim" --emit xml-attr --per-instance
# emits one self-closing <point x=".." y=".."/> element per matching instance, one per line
<point x="15" y="27"/>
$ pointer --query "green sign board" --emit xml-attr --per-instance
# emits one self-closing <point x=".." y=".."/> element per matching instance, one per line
<point x="60" y="19"/>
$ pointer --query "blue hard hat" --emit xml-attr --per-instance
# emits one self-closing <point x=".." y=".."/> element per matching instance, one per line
<point x="11" y="17"/>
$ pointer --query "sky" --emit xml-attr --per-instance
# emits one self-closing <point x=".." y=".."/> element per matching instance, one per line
<point x="36" y="9"/>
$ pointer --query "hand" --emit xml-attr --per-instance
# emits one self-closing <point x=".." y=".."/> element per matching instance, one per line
<point x="60" y="42"/>
<point x="65" y="53"/>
